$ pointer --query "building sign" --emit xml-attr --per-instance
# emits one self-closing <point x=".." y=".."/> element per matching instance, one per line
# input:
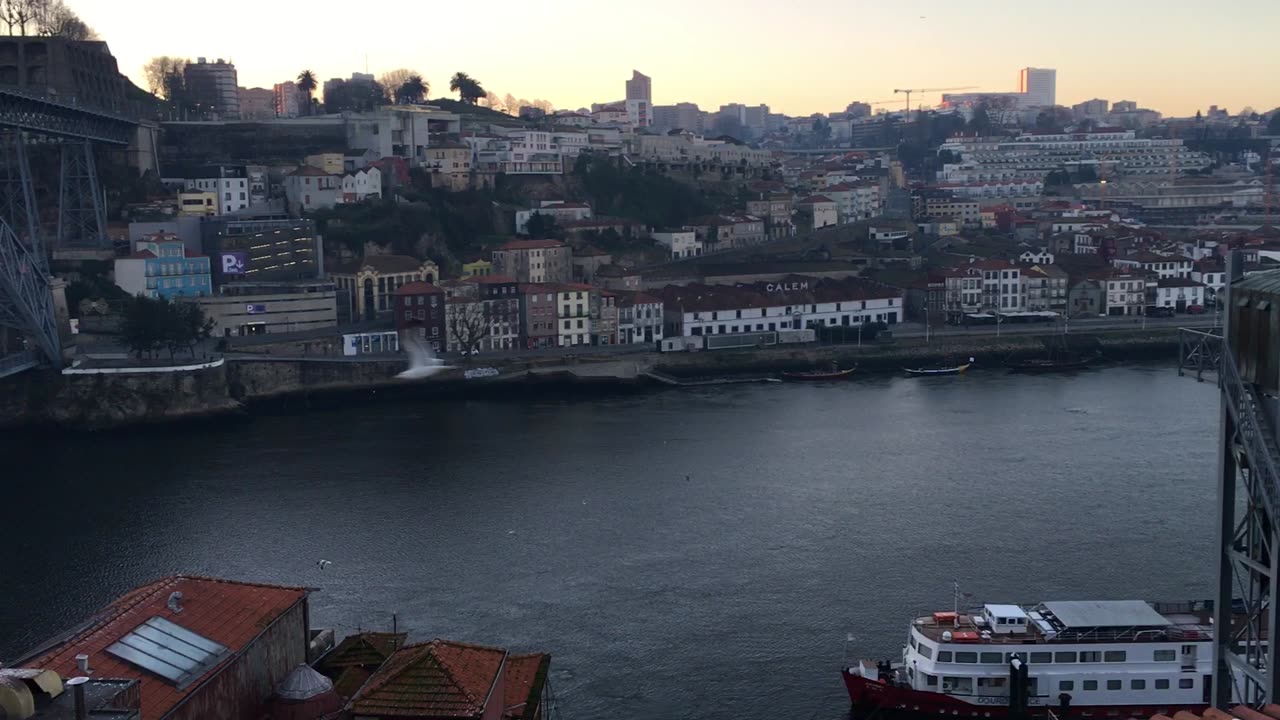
<point x="255" y="309"/>
<point x="477" y="373"/>
<point x="786" y="287"/>
<point x="233" y="263"/>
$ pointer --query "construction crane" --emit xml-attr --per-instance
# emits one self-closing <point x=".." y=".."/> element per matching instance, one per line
<point x="908" y="91"/>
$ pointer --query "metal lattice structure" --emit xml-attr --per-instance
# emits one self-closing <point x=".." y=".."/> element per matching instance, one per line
<point x="1248" y="564"/>
<point x="82" y="221"/>
<point x="26" y="301"/>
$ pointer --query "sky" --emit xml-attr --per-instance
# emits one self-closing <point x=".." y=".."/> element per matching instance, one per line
<point x="799" y="58"/>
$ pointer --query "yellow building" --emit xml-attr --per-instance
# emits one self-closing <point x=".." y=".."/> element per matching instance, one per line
<point x="371" y="283"/>
<point x="328" y="162"/>
<point x="198" y="204"/>
<point x="477" y="268"/>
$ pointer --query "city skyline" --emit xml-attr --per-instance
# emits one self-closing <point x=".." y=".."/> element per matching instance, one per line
<point x="754" y="59"/>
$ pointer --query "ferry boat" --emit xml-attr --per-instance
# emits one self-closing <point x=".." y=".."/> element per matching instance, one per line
<point x="1071" y="659"/>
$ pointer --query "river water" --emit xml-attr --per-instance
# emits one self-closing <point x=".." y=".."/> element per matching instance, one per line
<point x="682" y="554"/>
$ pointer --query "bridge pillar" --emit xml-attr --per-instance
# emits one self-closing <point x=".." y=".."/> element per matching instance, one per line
<point x="82" y="219"/>
<point x="17" y="198"/>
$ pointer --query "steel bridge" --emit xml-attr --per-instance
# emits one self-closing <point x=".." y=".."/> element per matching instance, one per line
<point x="26" y="300"/>
<point x="1248" y="548"/>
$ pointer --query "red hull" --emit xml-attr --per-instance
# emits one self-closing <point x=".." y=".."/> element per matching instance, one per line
<point x="871" y="695"/>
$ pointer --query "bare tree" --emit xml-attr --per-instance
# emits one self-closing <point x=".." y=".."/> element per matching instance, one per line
<point x="468" y="322"/>
<point x="492" y="101"/>
<point x="393" y="79"/>
<point x="54" y="19"/>
<point x="545" y="106"/>
<point x="158" y="70"/>
<point x="511" y="104"/>
<point x="20" y="16"/>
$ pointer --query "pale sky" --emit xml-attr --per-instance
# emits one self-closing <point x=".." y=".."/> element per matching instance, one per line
<point x="807" y="56"/>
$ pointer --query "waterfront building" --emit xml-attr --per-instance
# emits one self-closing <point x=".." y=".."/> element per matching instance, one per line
<point x="639" y="318"/>
<point x="262" y="248"/>
<point x="1162" y="266"/>
<point x="1125" y="292"/>
<point x="539" y="320"/>
<point x="245" y="309"/>
<point x="371" y="283"/>
<point x="236" y="642"/>
<point x="604" y="318"/>
<point x="442" y="678"/>
<point x="797" y="302"/>
<point x="534" y="261"/>
<point x="1180" y="293"/>
<point x="420" y="310"/>
<point x="573" y="314"/>
<point x="500" y="298"/>
<point x="163" y="267"/>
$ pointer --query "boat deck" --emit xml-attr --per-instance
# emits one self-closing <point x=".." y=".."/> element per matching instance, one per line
<point x="1180" y="622"/>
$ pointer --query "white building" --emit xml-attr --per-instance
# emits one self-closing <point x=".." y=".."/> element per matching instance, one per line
<point x="1180" y="293"/>
<point x="1039" y="85"/>
<point x="825" y="211"/>
<point x="639" y="113"/>
<point x="362" y="185"/>
<point x="557" y="209"/>
<point x="1162" y="266"/>
<point x="1037" y="257"/>
<point x="855" y="202"/>
<point x="229" y="182"/>
<point x="690" y="148"/>
<point x="1034" y="155"/>
<point x="1126" y="293"/>
<point x="309" y="188"/>
<point x="404" y="131"/>
<point x="995" y="189"/>
<point x="681" y="243"/>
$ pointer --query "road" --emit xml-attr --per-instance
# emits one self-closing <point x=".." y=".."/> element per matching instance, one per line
<point x="1075" y="325"/>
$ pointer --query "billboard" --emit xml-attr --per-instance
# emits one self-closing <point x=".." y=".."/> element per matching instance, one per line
<point x="255" y="309"/>
<point x="233" y="263"/>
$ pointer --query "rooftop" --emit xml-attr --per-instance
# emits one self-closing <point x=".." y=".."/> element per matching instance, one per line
<point x="381" y="264"/>
<point x="531" y="245"/>
<point x="418" y="288"/>
<point x="439" y="679"/>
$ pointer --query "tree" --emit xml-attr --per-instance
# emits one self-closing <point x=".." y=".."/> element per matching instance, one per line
<point x="55" y="19"/>
<point x="468" y="322"/>
<point x="393" y="79"/>
<point x="353" y="96"/>
<point x="307" y="84"/>
<point x="467" y="87"/>
<point x="153" y="324"/>
<point x="511" y="104"/>
<point x="20" y="16"/>
<point x="540" y="227"/>
<point x="411" y="91"/>
<point x="159" y="71"/>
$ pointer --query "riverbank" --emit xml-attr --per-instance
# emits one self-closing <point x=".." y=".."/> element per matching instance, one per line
<point x="87" y="400"/>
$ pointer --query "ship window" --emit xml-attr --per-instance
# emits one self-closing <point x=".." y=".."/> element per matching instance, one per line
<point x="1115" y="684"/>
<point x="1114" y="656"/>
<point x="1137" y="684"/>
<point x="1066" y="685"/>
<point x="1186" y="683"/>
<point x="966" y="657"/>
<point x="930" y="680"/>
<point x="1064" y="657"/>
<point x="925" y="651"/>
<point x="1165" y="656"/>
<point x="1162" y="684"/>
<point x="912" y="641"/>
<point x="1041" y="657"/>
<point x="1087" y="656"/>
<point x="991" y="658"/>
<point x="944" y="656"/>
<point x="1090" y="685"/>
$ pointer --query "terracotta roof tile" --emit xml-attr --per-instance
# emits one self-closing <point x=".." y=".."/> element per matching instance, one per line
<point x="531" y="245"/>
<point x="230" y="613"/>
<point x="525" y="677"/>
<point x="439" y="679"/>
<point x="368" y="649"/>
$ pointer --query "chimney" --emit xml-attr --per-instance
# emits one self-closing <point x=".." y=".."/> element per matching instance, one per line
<point x="77" y="687"/>
<point x="175" y="601"/>
<point x="82" y="664"/>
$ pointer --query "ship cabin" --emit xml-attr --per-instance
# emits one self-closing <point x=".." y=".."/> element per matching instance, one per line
<point x="1085" y="653"/>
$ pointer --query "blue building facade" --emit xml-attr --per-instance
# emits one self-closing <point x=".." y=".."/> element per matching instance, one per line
<point x="171" y="271"/>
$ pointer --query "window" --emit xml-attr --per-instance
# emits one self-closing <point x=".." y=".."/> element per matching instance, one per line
<point x="1064" y="685"/>
<point x="1137" y="684"/>
<point x="944" y="656"/>
<point x="1089" y="685"/>
<point x="925" y="651"/>
<point x="1115" y="684"/>
<point x="1114" y="656"/>
<point x="991" y="658"/>
<point x="1090" y="656"/>
<point x="930" y="680"/>
<point x="912" y="642"/>
<point x="1162" y="684"/>
<point x="1186" y="683"/>
<point x="1041" y="657"/>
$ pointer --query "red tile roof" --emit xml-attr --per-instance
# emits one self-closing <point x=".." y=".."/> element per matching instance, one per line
<point x="230" y="613"/>
<point x="310" y="171"/>
<point x="531" y="245"/>
<point x="816" y="199"/>
<point x="494" y="280"/>
<point x="525" y="677"/>
<point x="439" y="679"/>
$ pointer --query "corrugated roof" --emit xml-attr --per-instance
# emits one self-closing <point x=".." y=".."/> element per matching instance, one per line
<point x="1106" y="613"/>
<point x="1268" y="282"/>
<point x="232" y="614"/>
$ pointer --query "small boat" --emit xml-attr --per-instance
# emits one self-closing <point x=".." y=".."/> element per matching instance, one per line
<point x="958" y="369"/>
<point x="819" y="375"/>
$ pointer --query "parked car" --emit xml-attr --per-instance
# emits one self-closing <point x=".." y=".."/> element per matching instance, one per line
<point x="1160" y="312"/>
<point x="1195" y="309"/>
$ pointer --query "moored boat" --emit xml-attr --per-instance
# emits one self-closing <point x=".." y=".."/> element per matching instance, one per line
<point x="1046" y="365"/>
<point x="819" y="375"/>
<point x="952" y="370"/>
<point x="1080" y="659"/>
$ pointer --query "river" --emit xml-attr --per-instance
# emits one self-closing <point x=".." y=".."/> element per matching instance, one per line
<point x="682" y="554"/>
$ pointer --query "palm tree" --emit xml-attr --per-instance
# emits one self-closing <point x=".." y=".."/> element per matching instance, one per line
<point x="413" y="91"/>
<point x="307" y="84"/>
<point x="467" y="87"/>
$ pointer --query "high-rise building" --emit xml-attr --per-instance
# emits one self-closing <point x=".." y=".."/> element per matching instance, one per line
<point x="681" y="116"/>
<point x="858" y="110"/>
<point x="213" y="87"/>
<point x="1039" y="85"/>
<point x="640" y="87"/>
<point x="1123" y="106"/>
<point x="289" y="100"/>
<point x="1094" y="108"/>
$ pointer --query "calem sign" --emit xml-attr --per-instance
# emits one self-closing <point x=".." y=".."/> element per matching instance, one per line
<point x="233" y="263"/>
<point x="786" y="287"/>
